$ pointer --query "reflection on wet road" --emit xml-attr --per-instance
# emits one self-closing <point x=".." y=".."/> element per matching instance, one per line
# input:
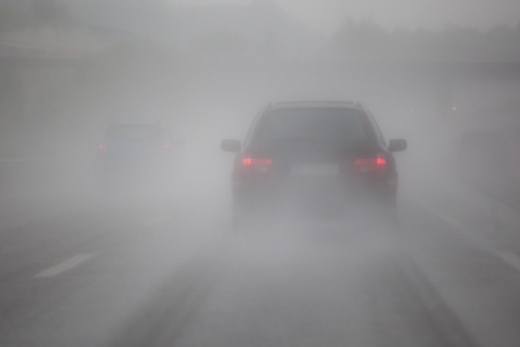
<point x="148" y="274"/>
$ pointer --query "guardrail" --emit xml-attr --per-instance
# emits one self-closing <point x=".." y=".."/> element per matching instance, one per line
<point x="20" y="49"/>
<point x="20" y="53"/>
<point x="22" y="176"/>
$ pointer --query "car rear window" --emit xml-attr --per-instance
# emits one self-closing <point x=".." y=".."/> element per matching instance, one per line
<point x="336" y="125"/>
<point x="134" y="132"/>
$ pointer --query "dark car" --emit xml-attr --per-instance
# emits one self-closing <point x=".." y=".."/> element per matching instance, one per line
<point x="312" y="156"/>
<point x="134" y="155"/>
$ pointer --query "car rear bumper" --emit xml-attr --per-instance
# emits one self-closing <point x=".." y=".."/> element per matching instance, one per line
<point x="313" y="195"/>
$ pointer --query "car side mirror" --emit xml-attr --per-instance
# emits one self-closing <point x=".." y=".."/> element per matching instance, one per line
<point x="232" y="146"/>
<point x="397" y="145"/>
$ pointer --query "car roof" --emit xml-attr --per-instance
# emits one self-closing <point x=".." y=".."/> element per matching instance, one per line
<point x="320" y="104"/>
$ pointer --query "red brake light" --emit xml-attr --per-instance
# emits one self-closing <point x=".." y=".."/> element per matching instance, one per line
<point x="102" y="147"/>
<point x="167" y="146"/>
<point x="257" y="161"/>
<point x="250" y="164"/>
<point x="371" y="165"/>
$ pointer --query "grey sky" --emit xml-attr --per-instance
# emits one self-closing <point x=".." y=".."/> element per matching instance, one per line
<point x="433" y="14"/>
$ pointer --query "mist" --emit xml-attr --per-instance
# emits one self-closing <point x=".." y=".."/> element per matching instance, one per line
<point x="100" y="249"/>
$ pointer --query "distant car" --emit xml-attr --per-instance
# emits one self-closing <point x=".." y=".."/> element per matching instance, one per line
<point x="134" y="154"/>
<point x="316" y="155"/>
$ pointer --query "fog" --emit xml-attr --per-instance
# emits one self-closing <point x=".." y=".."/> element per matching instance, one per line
<point x="448" y="83"/>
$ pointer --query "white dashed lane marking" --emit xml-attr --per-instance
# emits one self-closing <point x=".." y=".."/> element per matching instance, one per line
<point x="65" y="266"/>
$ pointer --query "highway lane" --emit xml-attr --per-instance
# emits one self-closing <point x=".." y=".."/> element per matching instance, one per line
<point x="149" y="274"/>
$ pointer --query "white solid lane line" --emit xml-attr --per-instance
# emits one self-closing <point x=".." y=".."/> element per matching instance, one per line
<point x="450" y="220"/>
<point x="509" y="258"/>
<point x="65" y="266"/>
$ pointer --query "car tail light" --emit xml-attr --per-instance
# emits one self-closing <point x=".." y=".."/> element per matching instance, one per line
<point x="376" y="164"/>
<point x="253" y="164"/>
<point x="167" y="146"/>
<point x="102" y="147"/>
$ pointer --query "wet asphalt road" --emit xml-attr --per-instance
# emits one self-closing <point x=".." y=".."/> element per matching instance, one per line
<point x="148" y="274"/>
